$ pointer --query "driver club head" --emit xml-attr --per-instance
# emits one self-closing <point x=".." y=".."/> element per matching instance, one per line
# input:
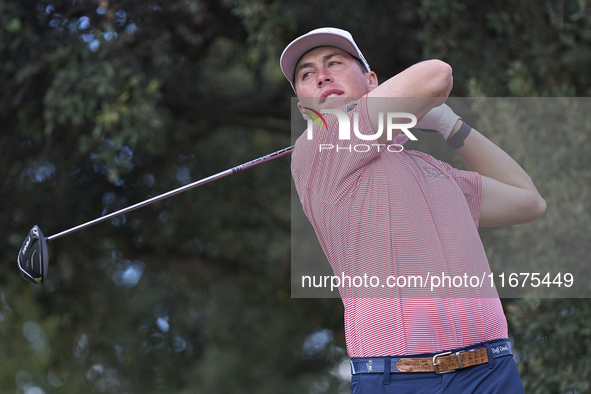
<point x="32" y="259"/>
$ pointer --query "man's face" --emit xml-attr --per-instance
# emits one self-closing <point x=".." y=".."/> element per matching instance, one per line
<point x="328" y="77"/>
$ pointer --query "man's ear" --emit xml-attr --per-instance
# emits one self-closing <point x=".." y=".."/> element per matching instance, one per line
<point x="372" y="80"/>
<point x="301" y="108"/>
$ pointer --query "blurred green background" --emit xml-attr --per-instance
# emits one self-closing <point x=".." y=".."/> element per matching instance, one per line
<point x="106" y="103"/>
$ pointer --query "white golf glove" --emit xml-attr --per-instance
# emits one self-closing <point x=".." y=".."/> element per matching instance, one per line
<point x="442" y="119"/>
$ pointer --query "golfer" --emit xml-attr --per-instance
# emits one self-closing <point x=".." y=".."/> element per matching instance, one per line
<point x="391" y="211"/>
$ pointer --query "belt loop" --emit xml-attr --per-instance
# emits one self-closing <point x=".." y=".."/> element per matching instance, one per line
<point x="491" y="359"/>
<point x="387" y="370"/>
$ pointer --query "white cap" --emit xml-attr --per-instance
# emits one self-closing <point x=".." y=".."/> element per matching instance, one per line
<point x="326" y="36"/>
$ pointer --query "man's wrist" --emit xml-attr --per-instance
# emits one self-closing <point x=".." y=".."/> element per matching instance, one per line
<point x="455" y="128"/>
<point x="441" y="118"/>
<point x="457" y="137"/>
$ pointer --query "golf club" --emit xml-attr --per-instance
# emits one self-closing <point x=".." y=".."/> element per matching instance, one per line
<point x="33" y="260"/>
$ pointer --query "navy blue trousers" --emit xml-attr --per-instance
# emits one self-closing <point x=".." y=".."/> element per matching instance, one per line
<point x="499" y="376"/>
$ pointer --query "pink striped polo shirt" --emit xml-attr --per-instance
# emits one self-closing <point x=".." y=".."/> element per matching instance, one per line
<point x="389" y="214"/>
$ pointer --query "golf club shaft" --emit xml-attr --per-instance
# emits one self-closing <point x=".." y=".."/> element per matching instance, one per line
<point x="219" y="175"/>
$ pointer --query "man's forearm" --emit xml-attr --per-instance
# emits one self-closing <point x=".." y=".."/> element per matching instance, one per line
<point x="483" y="156"/>
<point x="415" y="90"/>
<point x="513" y="198"/>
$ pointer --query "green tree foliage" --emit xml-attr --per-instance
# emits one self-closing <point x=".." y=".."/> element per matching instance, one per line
<point x="106" y="103"/>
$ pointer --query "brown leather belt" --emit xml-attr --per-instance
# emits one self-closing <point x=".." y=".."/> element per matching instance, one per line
<point x="444" y="362"/>
<point x="439" y="363"/>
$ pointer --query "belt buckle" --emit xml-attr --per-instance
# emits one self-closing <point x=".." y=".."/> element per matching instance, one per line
<point x="435" y="365"/>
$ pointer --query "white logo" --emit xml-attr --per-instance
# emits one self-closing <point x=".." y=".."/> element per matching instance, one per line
<point x="499" y="349"/>
<point x="26" y="245"/>
<point x="345" y="125"/>
<point x="35" y="232"/>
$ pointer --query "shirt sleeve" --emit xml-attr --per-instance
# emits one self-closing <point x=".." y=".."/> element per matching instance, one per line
<point x="332" y="166"/>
